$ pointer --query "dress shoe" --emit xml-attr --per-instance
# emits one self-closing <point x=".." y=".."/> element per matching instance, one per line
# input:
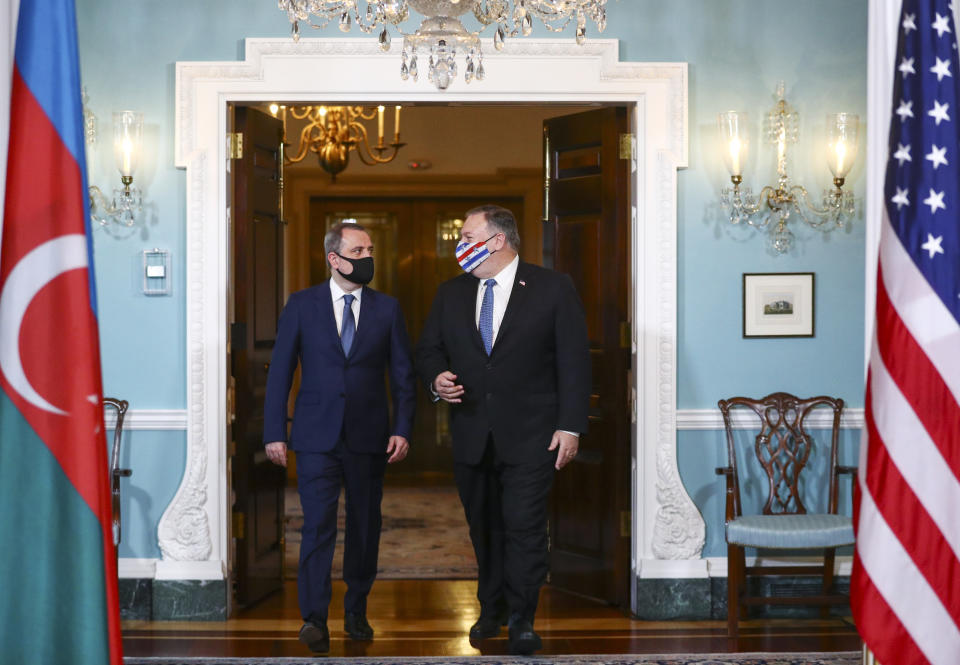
<point x="486" y="627"/>
<point x="523" y="639"/>
<point x="356" y="626"/>
<point x="316" y="637"/>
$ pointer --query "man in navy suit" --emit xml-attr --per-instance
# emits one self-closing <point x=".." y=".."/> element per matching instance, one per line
<point x="345" y="337"/>
<point x="506" y="345"/>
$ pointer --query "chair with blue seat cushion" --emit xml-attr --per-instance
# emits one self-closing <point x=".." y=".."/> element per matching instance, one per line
<point x="782" y="449"/>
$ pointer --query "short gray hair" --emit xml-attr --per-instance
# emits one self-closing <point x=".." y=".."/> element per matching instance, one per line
<point x="500" y="220"/>
<point x="333" y="240"/>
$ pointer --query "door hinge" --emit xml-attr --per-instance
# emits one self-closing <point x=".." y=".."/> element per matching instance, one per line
<point x="239" y="522"/>
<point x="625" y="336"/>
<point x="624" y="523"/>
<point x="626" y="146"/>
<point x="235" y="145"/>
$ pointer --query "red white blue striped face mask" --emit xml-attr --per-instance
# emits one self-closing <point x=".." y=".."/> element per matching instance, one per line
<point x="470" y="255"/>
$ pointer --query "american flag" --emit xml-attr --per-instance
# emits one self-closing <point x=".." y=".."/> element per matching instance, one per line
<point x="905" y="591"/>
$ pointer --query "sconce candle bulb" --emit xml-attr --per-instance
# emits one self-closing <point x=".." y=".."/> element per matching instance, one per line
<point x="127" y="200"/>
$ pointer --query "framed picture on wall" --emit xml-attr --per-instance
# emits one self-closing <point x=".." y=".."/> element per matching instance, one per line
<point x="778" y="304"/>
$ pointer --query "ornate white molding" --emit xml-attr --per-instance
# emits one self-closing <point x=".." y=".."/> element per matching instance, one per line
<point x="184" y="530"/>
<point x="535" y="71"/>
<point x="679" y="531"/>
<point x="693" y="419"/>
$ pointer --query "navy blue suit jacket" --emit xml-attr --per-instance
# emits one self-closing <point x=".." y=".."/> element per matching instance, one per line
<point x="340" y="394"/>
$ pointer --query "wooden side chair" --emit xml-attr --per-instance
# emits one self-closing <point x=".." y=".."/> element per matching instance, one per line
<point x="782" y="448"/>
<point x="116" y="473"/>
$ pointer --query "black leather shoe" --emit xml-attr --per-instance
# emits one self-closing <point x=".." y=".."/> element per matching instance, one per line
<point x="523" y="639"/>
<point x="316" y="637"/>
<point x="356" y="626"/>
<point x="486" y="627"/>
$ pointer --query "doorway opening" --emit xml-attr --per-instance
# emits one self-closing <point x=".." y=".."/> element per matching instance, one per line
<point x="570" y="199"/>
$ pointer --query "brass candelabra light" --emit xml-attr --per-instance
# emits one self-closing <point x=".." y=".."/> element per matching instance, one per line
<point x="332" y="132"/>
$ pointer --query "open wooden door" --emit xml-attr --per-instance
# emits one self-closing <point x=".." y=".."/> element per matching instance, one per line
<point x="586" y="236"/>
<point x="258" y="484"/>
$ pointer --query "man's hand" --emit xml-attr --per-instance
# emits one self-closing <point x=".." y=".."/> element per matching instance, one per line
<point x="446" y="387"/>
<point x="277" y="452"/>
<point x="397" y="449"/>
<point x="568" y="445"/>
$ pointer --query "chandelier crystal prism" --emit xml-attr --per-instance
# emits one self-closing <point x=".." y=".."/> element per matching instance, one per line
<point x="442" y="35"/>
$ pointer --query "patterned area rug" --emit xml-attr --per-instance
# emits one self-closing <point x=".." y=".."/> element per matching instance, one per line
<point x="424" y="535"/>
<point x="844" y="658"/>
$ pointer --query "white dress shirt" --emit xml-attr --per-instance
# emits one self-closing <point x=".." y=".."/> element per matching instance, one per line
<point x="501" y="294"/>
<point x="337" y="294"/>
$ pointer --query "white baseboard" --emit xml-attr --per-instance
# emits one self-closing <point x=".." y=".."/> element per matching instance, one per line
<point x="158" y="569"/>
<point x="190" y="570"/>
<point x="717" y="566"/>
<point x="130" y="568"/>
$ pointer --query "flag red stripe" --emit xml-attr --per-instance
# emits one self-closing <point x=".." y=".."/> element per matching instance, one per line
<point x="878" y="625"/>
<point x="908" y="519"/>
<point x="918" y="378"/>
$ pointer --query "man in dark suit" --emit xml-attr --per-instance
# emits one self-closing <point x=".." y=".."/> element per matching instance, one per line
<point x="345" y="336"/>
<point x="506" y="345"/>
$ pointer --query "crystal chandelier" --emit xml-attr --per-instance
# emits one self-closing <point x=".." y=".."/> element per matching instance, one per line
<point x="441" y="34"/>
<point x="332" y="132"/>
<point x="775" y="205"/>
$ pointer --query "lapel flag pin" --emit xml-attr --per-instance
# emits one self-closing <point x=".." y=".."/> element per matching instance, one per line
<point x="522" y="283"/>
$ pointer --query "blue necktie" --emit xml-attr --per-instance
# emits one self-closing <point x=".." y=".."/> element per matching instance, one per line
<point x="486" y="316"/>
<point x="349" y="326"/>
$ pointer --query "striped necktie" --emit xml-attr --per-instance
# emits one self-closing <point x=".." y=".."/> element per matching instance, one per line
<point x="486" y="316"/>
<point x="348" y="328"/>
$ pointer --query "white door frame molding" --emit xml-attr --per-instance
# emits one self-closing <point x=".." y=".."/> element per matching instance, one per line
<point x="194" y="530"/>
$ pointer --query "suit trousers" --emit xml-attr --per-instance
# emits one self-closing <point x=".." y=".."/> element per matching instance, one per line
<point x="319" y="479"/>
<point x="506" y="506"/>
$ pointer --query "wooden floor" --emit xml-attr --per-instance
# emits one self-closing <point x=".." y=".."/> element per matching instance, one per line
<point x="432" y="617"/>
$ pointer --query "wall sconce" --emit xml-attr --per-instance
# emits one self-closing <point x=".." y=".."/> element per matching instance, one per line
<point x="775" y="204"/>
<point x="332" y="132"/>
<point x="127" y="200"/>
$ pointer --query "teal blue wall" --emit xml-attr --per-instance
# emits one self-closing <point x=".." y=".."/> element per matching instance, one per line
<point x="736" y="50"/>
<point x="157" y="460"/>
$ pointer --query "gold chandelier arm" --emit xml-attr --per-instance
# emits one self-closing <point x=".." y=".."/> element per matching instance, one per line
<point x="300" y="112"/>
<point x="362" y="146"/>
<point x="357" y="112"/>
<point x="305" y="145"/>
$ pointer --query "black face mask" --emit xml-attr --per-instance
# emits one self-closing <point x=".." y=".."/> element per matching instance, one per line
<point x="362" y="270"/>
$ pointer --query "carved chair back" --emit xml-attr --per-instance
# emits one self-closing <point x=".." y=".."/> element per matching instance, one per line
<point x="782" y="447"/>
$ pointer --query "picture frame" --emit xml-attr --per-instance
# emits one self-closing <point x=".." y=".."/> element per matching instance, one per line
<point x="778" y="304"/>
